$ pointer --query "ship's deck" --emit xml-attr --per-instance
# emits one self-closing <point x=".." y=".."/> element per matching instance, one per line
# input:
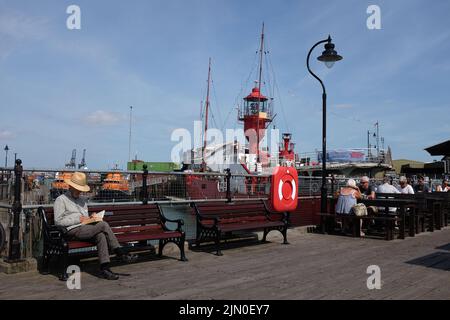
<point x="313" y="266"/>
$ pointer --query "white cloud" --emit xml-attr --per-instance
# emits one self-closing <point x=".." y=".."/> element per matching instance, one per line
<point x="105" y="118"/>
<point x="6" y="135"/>
<point x="20" y="26"/>
<point x="16" y="27"/>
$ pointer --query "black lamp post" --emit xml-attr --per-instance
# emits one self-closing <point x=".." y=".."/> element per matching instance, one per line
<point x="6" y="158"/>
<point x="329" y="57"/>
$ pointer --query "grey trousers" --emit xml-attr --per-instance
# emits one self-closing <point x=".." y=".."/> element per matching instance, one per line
<point x="99" y="233"/>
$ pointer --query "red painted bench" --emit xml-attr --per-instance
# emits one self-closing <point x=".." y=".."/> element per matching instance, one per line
<point x="215" y="219"/>
<point x="130" y="224"/>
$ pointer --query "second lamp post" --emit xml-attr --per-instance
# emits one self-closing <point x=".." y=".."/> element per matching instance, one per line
<point x="329" y="57"/>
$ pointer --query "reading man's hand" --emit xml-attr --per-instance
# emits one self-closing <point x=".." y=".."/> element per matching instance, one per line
<point x="83" y="219"/>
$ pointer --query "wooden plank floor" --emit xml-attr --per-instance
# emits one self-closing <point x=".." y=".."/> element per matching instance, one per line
<point x="313" y="266"/>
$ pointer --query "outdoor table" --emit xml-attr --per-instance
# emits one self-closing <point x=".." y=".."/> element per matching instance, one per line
<point x="403" y="204"/>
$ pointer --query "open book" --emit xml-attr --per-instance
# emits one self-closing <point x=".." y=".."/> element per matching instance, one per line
<point x="98" y="217"/>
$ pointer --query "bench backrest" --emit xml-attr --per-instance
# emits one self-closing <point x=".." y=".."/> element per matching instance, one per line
<point x="119" y="215"/>
<point x="417" y="196"/>
<point x="232" y="210"/>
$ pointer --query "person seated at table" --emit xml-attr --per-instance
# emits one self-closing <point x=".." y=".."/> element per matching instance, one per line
<point x="386" y="187"/>
<point x="421" y="186"/>
<point x="444" y="188"/>
<point x="347" y="198"/>
<point x="405" y="187"/>
<point x="367" y="190"/>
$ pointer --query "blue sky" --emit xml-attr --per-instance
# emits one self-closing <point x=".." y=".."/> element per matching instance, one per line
<point x="62" y="89"/>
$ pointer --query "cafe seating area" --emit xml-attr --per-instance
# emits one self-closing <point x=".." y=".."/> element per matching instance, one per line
<point x="391" y="216"/>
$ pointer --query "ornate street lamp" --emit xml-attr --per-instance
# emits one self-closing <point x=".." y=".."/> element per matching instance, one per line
<point x="329" y="57"/>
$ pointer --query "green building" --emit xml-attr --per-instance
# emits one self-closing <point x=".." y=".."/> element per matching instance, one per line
<point x="137" y="165"/>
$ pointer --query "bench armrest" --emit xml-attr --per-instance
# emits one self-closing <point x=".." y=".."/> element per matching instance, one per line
<point x="200" y="217"/>
<point x="163" y="218"/>
<point x="284" y="215"/>
<point x="180" y="223"/>
<point x="56" y="233"/>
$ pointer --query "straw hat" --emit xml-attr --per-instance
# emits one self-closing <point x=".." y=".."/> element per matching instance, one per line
<point x="78" y="181"/>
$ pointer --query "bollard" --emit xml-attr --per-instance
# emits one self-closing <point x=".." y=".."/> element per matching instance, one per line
<point x="14" y="248"/>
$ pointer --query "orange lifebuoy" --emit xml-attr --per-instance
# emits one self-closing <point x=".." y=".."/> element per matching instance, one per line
<point x="284" y="189"/>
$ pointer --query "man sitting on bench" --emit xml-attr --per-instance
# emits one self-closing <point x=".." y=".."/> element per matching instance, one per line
<point x="71" y="212"/>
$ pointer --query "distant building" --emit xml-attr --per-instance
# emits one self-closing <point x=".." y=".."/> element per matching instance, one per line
<point x="137" y="165"/>
<point x="434" y="170"/>
<point x="442" y="149"/>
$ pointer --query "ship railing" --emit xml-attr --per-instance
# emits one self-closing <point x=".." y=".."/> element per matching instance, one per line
<point x="343" y="156"/>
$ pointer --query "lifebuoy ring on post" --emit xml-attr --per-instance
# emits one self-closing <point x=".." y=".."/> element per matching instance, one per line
<point x="284" y="189"/>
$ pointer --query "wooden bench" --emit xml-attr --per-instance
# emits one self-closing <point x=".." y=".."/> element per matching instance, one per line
<point x="329" y="220"/>
<point x="215" y="219"/>
<point x="130" y="223"/>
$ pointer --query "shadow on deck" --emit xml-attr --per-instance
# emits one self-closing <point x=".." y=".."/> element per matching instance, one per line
<point x="437" y="260"/>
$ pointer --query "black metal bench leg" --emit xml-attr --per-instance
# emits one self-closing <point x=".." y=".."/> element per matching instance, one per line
<point x="160" y="248"/>
<point x="284" y="232"/>
<point x="45" y="262"/>
<point x="181" y="246"/>
<point x="63" y="264"/>
<point x="264" y="235"/>
<point x="218" y="236"/>
<point x="323" y="225"/>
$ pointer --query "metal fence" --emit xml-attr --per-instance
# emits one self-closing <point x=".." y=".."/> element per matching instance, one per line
<point x="43" y="186"/>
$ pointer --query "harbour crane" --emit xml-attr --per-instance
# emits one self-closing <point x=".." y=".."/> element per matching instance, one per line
<point x="82" y="165"/>
<point x="72" y="163"/>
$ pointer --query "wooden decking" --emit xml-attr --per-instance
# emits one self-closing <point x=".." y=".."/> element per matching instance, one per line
<point x="313" y="266"/>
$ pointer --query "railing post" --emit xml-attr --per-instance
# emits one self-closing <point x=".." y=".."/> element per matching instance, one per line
<point x="333" y="184"/>
<point x="228" y="178"/>
<point x="144" y="185"/>
<point x="14" y="247"/>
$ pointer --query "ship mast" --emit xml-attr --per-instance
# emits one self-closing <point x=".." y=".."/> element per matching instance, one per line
<point x="261" y="51"/>
<point x="129" y="136"/>
<point x="206" y="118"/>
